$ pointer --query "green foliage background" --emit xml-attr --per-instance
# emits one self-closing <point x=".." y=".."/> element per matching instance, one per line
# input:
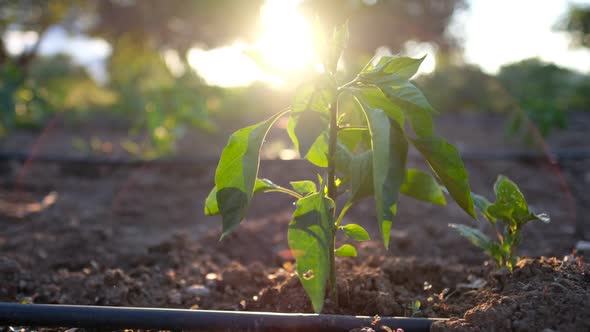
<point x="160" y="107"/>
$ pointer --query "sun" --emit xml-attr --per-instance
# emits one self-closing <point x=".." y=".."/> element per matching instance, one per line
<point x="285" y="42"/>
<point x="281" y="51"/>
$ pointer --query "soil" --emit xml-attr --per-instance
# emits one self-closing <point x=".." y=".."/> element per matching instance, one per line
<point x="136" y="236"/>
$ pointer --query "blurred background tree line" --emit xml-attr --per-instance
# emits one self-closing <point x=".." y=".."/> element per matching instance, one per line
<point x="151" y="89"/>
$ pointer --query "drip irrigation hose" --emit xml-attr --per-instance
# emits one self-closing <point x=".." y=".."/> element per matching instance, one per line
<point x="49" y="315"/>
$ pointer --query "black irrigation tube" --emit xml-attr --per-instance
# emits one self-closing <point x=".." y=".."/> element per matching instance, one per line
<point x="49" y="315"/>
<point x="570" y="154"/>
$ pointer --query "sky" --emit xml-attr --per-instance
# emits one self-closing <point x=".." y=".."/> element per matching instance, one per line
<point x="494" y="32"/>
<point x="88" y="52"/>
<point x="495" y="36"/>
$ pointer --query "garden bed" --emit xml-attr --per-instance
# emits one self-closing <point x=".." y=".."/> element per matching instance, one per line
<point x="135" y="235"/>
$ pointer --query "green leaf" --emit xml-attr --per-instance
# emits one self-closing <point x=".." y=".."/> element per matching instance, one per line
<point x="310" y="112"/>
<point x="360" y="173"/>
<point x="330" y="46"/>
<point x="476" y="237"/>
<point x="373" y="98"/>
<point x="511" y="241"/>
<point x="390" y="149"/>
<point x="511" y="205"/>
<point x="341" y="37"/>
<point x="415" y="307"/>
<point x="391" y="75"/>
<point x="356" y="171"/>
<point x="339" y="42"/>
<point x="346" y="250"/>
<point x="343" y="158"/>
<point x="497" y="254"/>
<point x="318" y="152"/>
<point x="374" y="66"/>
<point x="412" y="102"/>
<point x="261" y="186"/>
<point x="320" y="180"/>
<point x="236" y="172"/>
<point x="305" y="128"/>
<point x="390" y="68"/>
<point x="304" y="187"/>
<point x="509" y="200"/>
<point x="265" y="185"/>
<point x="445" y="161"/>
<point x="422" y="186"/>
<point x="495" y="250"/>
<point x="482" y="204"/>
<point x="354" y="138"/>
<point x="211" y="207"/>
<point x="310" y="239"/>
<point x="355" y="232"/>
<point x="403" y="66"/>
<point x="313" y="95"/>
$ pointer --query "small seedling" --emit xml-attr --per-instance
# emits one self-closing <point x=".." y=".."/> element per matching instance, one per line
<point x="414" y="308"/>
<point x="363" y="148"/>
<point x="512" y="212"/>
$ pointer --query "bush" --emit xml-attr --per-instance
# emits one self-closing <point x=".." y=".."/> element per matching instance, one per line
<point x="464" y="88"/>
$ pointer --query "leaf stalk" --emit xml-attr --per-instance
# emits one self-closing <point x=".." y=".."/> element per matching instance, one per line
<point x="332" y="191"/>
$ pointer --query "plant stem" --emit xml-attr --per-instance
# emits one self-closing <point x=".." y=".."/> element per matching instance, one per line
<point x="332" y="193"/>
<point x="341" y="215"/>
<point x="353" y="128"/>
<point x="285" y="191"/>
<point x="333" y="139"/>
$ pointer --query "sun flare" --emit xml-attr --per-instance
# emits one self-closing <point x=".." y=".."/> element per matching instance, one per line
<point x="286" y="39"/>
<point x="283" y="48"/>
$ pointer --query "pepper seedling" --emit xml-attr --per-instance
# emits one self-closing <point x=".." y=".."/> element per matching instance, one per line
<point x="512" y="211"/>
<point x="363" y="150"/>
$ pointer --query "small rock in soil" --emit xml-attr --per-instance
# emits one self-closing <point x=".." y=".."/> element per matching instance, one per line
<point x="198" y="290"/>
<point x="212" y="283"/>
<point x="174" y="297"/>
<point x="235" y="275"/>
<point x="112" y="277"/>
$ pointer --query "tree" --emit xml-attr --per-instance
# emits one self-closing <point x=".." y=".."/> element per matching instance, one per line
<point x="138" y="31"/>
<point x="32" y="15"/>
<point x="390" y="22"/>
<point x="170" y="24"/>
<point x="544" y="91"/>
<point x="577" y="24"/>
<point x="464" y="88"/>
<point x="177" y="24"/>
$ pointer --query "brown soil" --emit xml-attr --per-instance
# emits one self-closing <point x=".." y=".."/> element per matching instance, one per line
<point x="136" y="236"/>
